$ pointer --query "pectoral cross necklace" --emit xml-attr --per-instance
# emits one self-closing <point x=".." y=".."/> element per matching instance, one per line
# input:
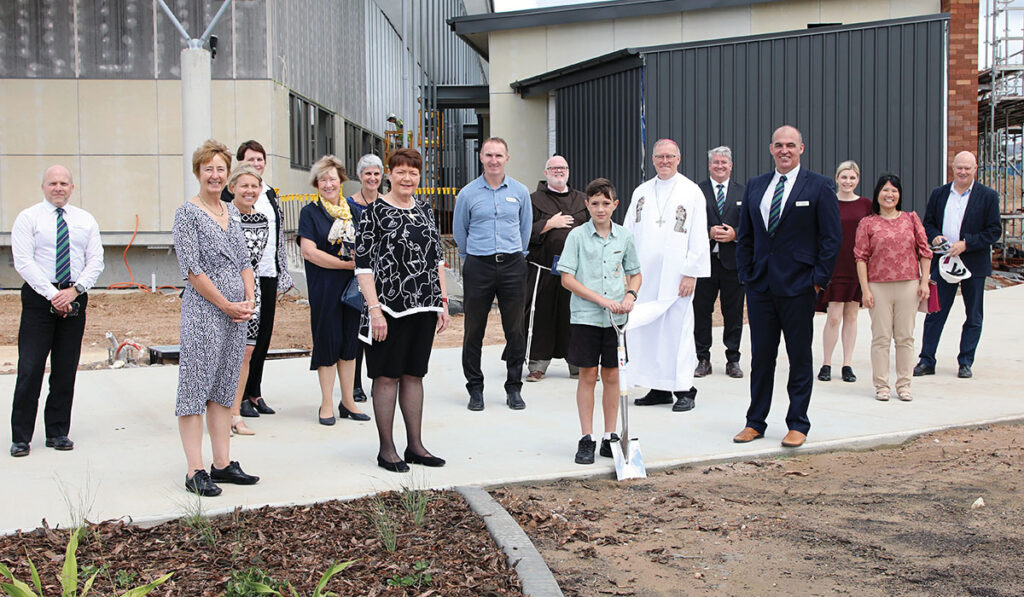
<point x="662" y="204"/>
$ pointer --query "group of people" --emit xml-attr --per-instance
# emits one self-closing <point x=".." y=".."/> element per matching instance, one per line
<point x="566" y="278"/>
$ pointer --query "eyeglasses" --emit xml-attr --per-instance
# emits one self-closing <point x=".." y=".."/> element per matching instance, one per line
<point x="558" y="169"/>
<point x="666" y="156"/>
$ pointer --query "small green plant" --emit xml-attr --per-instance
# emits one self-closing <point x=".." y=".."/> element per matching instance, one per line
<point x="252" y="582"/>
<point x="69" y="577"/>
<point x="123" y="578"/>
<point x="415" y="502"/>
<point x="419" y="577"/>
<point x="383" y="520"/>
<point x="195" y="517"/>
<point x="319" y="590"/>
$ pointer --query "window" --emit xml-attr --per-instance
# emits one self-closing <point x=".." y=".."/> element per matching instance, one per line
<point x="312" y="132"/>
<point x="359" y="142"/>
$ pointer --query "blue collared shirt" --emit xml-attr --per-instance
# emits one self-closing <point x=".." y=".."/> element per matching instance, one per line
<point x="489" y="221"/>
<point x="599" y="264"/>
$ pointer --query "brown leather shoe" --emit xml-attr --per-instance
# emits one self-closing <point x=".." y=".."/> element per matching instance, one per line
<point x="793" y="439"/>
<point x="748" y="434"/>
<point x="703" y="368"/>
<point x="733" y="370"/>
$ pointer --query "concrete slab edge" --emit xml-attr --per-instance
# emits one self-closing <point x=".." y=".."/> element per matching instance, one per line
<point x="536" y="577"/>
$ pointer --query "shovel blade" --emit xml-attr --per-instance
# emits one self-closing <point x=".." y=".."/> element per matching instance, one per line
<point x="629" y="465"/>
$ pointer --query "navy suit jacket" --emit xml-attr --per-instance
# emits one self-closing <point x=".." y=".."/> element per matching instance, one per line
<point x="730" y="216"/>
<point x="803" y="251"/>
<point x="980" y="229"/>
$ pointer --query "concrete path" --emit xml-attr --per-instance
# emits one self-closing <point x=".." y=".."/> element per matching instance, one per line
<point x="128" y="460"/>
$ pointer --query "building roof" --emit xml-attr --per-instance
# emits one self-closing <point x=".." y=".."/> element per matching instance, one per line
<point x="473" y="29"/>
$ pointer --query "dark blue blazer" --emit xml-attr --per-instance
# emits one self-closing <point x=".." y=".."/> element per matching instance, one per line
<point x="980" y="229"/>
<point x="733" y="198"/>
<point x="805" y="246"/>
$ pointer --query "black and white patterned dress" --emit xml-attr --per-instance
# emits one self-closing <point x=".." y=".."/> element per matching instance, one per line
<point x="256" y="229"/>
<point x="212" y="346"/>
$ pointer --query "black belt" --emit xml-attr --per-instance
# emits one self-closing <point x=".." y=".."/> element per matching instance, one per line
<point x="498" y="257"/>
<point x="64" y="285"/>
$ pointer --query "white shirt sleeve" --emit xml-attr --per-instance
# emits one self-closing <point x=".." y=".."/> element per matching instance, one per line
<point x="93" y="257"/>
<point x="23" y="249"/>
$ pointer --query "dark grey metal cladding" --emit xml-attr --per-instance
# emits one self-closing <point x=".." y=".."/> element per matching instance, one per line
<point x="598" y="132"/>
<point x="37" y="39"/>
<point x="873" y="93"/>
<point x="116" y="39"/>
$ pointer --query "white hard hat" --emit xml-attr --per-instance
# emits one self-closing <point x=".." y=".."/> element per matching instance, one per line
<point x="953" y="270"/>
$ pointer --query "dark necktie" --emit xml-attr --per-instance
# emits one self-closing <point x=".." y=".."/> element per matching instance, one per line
<point x="775" y="212"/>
<point x="720" y="199"/>
<point x="63" y="252"/>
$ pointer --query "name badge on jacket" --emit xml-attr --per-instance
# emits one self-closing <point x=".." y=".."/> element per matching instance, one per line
<point x="802" y="203"/>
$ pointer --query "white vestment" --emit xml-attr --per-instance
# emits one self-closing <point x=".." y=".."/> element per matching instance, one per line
<point x="669" y="225"/>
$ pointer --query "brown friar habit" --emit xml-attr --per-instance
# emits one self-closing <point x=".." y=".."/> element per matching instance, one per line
<point x="551" y="320"/>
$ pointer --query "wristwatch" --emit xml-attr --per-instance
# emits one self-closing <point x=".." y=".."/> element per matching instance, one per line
<point x="79" y="288"/>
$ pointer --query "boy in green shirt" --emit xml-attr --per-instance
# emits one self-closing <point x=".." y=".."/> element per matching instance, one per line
<point x="593" y="262"/>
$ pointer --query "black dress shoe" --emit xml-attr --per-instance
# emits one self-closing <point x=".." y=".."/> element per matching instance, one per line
<point x="20" y="449"/>
<point x="476" y="400"/>
<point x="685" y="401"/>
<point x="62" y="443"/>
<point x="922" y="369"/>
<point x="345" y="413"/>
<point x="703" y="368"/>
<point x="395" y="467"/>
<point x="328" y="421"/>
<point x="358" y="394"/>
<point x="514" y="400"/>
<point x="201" y="484"/>
<point x="606" y="445"/>
<point x="733" y="370"/>
<point x="825" y="373"/>
<point x="654" y="397"/>
<point x="248" y="409"/>
<point x="585" y="450"/>
<point x="413" y="458"/>
<point x="964" y="372"/>
<point x="262" y="408"/>
<point x="232" y="473"/>
<point x="848" y="374"/>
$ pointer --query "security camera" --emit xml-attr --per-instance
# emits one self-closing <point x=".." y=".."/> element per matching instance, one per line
<point x="213" y="47"/>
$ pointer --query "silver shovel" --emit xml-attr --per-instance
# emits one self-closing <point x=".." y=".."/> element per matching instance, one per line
<point x="629" y="461"/>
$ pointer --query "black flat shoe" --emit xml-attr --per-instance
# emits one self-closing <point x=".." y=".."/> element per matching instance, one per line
<point x="359" y="395"/>
<point x="395" y="467"/>
<point x="201" y="484"/>
<point x="19" y="449"/>
<point x="922" y="369"/>
<point x="262" y="408"/>
<point x="61" y="442"/>
<point x="248" y="409"/>
<point x="328" y="421"/>
<point x="606" y="445"/>
<point x="848" y="374"/>
<point x="964" y="372"/>
<point x="232" y="473"/>
<point x="514" y="400"/>
<point x="476" y="400"/>
<point x="825" y="373"/>
<point x="433" y="461"/>
<point x="654" y="397"/>
<point x="685" y="400"/>
<point x="345" y="413"/>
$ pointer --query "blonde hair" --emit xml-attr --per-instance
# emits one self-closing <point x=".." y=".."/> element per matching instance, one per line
<point x="242" y="169"/>
<point x="848" y="165"/>
<point x="206" y="152"/>
<point x="323" y="165"/>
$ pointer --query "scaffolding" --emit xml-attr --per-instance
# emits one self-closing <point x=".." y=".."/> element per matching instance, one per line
<point x="1001" y="122"/>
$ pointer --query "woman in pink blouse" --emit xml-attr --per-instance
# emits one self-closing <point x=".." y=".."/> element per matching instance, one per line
<point x="893" y="261"/>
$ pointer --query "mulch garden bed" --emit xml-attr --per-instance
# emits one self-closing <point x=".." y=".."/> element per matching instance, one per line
<point x="450" y="553"/>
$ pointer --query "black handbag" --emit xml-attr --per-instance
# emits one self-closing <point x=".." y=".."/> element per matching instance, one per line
<point x="352" y="297"/>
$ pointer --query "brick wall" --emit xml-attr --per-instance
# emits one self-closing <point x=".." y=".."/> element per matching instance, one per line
<point x="962" y="120"/>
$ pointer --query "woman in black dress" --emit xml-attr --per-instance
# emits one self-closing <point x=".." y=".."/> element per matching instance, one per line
<point x="401" y="274"/>
<point x="327" y="238"/>
<point x="370" y="171"/>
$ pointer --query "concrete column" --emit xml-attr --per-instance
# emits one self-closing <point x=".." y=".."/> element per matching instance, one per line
<point x="196" y="110"/>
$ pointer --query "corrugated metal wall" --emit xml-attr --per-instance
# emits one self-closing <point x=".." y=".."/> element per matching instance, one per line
<point x="873" y="94"/>
<point x="598" y="132"/>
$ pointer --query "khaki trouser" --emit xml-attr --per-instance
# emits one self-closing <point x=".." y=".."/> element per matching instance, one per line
<point x="893" y="318"/>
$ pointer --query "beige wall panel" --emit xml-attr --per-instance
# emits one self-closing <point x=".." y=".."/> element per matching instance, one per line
<point x="38" y="116"/>
<point x="168" y="109"/>
<point x="279" y="148"/>
<point x="648" y="31"/>
<point x="576" y="42"/>
<point x="523" y="124"/>
<point x="170" y="191"/>
<point x="516" y="55"/>
<point x="294" y="181"/>
<point x="222" y="113"/>
<point x="716" y="24"/>
<point x="117" y="116"/>
<point x="115" y="188"/>
<point x="21" y="179"/>
<point x="791" y="15"/>
<point x="910" y="8"/>
<point x="254" y="102"/>
<point x="846" y="12"/>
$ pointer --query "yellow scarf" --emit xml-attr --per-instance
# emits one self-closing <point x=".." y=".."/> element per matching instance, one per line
<point x="340" y="212"/>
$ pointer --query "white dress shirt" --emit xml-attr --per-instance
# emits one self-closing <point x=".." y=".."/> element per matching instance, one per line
<point x="34" y="246"/>
<point x="267" y="267"/>
<point x="766" y="199"/>
<point x="953" y="217"/>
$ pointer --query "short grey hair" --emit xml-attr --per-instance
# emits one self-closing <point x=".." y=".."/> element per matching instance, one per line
<point x="369" y="161"/>
<point x="720" y="150"/>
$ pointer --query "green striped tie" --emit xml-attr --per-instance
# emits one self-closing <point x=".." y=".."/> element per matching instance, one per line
<point x="720" y="199"/>
<point x="63" y="258"/>
<point x="775" y="213"/>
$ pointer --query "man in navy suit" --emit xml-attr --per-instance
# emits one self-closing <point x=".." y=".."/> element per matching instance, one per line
<point x="964" y="213"/>
<point x="723" y="196"/>
<point x="789" y="237"/>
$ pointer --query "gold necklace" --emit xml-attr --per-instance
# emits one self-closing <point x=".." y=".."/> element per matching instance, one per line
<point x="210" y="209"/>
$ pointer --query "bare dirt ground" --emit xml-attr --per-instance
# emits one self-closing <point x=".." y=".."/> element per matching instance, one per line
<point x="895" y="521"/>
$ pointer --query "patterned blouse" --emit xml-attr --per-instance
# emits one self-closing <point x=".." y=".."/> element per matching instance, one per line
<point x="892" y="248"/>
<point x="402" y="249"/>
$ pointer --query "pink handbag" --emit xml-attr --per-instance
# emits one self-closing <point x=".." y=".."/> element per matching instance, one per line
<point x="931" y="304"/>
